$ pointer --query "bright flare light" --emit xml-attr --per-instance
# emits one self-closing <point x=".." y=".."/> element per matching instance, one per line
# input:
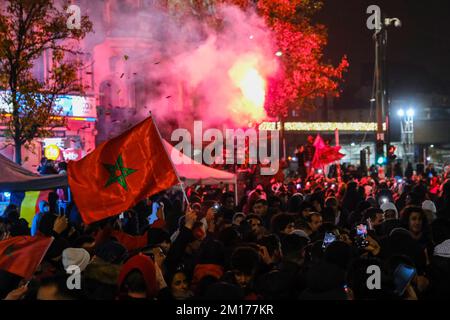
<point x="400" y="113"/>
<point x="410" y="112"/>
<point x="252" y="85"/>
<point x="279" y="53"/>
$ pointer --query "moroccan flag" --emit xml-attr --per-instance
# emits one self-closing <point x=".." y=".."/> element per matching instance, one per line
<point x="121" y="172"/>
<point x="325" y="154"/>
<point x="22" y="255"/>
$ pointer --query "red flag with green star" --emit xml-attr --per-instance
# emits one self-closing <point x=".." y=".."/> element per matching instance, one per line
<point x="22" y="255"/>
<point x="121" y="172"/>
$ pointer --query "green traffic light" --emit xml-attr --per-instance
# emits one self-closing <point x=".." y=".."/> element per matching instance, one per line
<point x="381" y="160"/>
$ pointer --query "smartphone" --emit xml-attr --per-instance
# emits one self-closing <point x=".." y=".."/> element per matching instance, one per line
<point x="154" y="216"/>
<point x="403" y="275"/>
<point x="361" y="236"/>
<point x="328" y="239"/>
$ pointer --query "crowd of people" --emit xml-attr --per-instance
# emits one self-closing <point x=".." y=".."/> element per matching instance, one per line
<point x="286" y="239"/>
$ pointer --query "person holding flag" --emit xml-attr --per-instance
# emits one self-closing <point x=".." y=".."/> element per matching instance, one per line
<point x="325" y="154"/>
<point x="121" y="172"/>
<point x="21" y="255"/>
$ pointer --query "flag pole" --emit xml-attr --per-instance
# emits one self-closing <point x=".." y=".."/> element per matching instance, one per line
<point x="338" y="164"/>
<point x="168" y="155"/>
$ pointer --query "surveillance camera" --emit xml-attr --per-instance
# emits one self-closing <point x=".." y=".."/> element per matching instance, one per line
<point x="393" y="21"/>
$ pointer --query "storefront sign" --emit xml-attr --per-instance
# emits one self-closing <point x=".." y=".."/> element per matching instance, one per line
<point x="70" y="106"/>
<point x="59" y="142"/>
<point x="72" y="154"/>
<point x="52" y="152"/>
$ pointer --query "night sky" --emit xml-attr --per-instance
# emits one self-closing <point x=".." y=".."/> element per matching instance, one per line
<point x="418" y="53"/>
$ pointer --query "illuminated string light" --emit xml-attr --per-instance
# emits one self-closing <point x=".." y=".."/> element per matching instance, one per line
<point x="322" y="126"/>
<point x="88" y="119"/>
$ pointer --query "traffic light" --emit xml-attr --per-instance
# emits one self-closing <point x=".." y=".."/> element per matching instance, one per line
<point x="379" y="152"/>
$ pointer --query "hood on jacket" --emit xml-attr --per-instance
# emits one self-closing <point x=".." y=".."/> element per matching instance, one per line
<point x="42" y="204"/>
<point x="146" y="267"/>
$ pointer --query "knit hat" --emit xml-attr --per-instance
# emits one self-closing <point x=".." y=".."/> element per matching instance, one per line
<point x="429" y="205"/>
<point x="146" y="267"/>
<point x="389" y="206"/>
<point x="75" y="257"/>
<point x="203" y="270"/>
<point x="443" y="249"/>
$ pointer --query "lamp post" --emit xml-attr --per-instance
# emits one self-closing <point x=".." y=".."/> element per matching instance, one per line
<point x="380" y="95"/>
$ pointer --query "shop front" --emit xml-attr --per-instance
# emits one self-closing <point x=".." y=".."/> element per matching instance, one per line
<point x="71" y="142"/>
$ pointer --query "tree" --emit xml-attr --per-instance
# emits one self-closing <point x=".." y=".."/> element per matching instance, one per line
<point x="28" y="29"/>
<point x="303" y="75"/>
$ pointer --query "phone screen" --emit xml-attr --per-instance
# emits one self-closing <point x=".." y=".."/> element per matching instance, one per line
<point x="154" y="216"/>
<point x="361" y="230"/>
<point x="328" y="239"/>
<point x="361" y="236"/>
<point x="403" y="275"/>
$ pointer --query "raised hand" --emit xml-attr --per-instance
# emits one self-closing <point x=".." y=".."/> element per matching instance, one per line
<point x="17" y="294"/>
<point x="61" y="224"/>
<point x="190" y="218"/>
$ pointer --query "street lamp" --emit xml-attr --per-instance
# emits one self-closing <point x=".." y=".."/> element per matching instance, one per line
<point x="410" y="112"/>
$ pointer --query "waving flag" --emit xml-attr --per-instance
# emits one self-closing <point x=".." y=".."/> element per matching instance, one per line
<point x="325" y="154"/>
<point x="121" y="172"/>
<point x="22" y="255"/>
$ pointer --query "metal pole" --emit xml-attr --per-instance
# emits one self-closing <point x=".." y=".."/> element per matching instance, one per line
<point x="338" y="165"/>
<point x="378" y="85"/>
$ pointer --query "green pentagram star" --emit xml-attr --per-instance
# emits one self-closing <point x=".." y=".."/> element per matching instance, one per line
<point x="118" y="173"/>
<point x="9" y="250"/>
